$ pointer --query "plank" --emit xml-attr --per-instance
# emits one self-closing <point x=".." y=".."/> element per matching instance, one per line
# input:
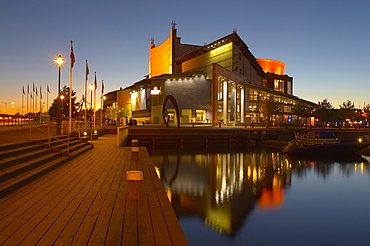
<point x="45" y="217"/>
<point x="115" y="229"/>
<point x="88" y="201"/>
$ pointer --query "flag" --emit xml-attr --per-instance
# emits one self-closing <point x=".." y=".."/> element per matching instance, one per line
<point x="33" y="87"/>
<point x="48" y="89"/>
<point x="36" y="90"/>
<point x="102" y="87"/>
<point x="40" y="92"/>
<point x="28" y="89"/>
<point x="72" y="56"/>
<point x="23" y="90"/>
<point x="95" y="83"/>
<point x="87" y="70"/>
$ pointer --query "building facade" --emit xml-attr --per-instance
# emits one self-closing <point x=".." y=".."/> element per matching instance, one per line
<point x="218" y="82"/>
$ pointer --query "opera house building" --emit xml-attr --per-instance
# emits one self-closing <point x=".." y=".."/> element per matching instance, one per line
<point x="219" y="82"/>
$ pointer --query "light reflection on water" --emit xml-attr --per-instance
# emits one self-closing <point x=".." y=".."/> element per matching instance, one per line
<point x="261" y="197"/>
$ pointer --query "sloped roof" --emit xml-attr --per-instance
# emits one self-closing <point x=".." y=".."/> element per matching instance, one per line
<point x="233" y="37"/>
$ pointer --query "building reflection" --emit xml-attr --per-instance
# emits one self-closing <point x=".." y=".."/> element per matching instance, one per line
<point x="223" y="188"/>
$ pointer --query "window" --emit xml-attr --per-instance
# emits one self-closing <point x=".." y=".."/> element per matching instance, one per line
<point x="289" y="88"/>
<point x="279" y="85"/>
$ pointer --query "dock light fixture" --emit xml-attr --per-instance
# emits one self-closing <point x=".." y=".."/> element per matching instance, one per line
<point x="134" y="175"/>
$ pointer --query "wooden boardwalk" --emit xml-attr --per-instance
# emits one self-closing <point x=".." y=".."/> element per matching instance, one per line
<point x="88" y="201"/>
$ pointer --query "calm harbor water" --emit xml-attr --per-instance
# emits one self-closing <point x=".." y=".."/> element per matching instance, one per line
<point x="258" y="196"/>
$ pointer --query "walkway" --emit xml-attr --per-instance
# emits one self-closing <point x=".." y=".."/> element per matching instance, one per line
<point x="88" y="201"/>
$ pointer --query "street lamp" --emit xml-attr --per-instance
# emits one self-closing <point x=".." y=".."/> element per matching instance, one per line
<point x="59" y="61"/>
<point x="102" y="115"/>
<point x="91" y="88"/>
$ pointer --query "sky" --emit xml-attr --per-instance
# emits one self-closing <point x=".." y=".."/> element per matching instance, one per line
<point x="324" y="43"/>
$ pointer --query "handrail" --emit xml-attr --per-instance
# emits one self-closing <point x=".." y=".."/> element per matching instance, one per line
<point x="48" y="122"/>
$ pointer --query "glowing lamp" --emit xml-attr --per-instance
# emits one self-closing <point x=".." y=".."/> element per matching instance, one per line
<point x="155" y="91"/>
<point x="91" y="87"/>
<point x="59" y="60"/>
<point x="85" y="133"/>
<point x="134" y="175"/>
<point x="95" y="132"/>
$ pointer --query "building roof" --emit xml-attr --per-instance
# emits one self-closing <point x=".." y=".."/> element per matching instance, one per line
<point x="233" y="37"/>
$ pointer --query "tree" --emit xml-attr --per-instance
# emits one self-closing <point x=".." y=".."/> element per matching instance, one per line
<point x="116" y="113"/>
<point x="325" y="112"/>
<point x="325" y="104"/>
<point x="63" y="104"/>
<point x="301" y="110"/>
<point x="270" y="108"/>
<point x="347" y="111"/>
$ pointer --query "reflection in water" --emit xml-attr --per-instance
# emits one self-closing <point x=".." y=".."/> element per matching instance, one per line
<point x="223" y="188"/>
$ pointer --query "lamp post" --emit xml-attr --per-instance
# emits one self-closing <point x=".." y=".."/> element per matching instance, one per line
<point x="91" y="88"/>
<point x="59" y="61"/>
<point x="102" y="116"/>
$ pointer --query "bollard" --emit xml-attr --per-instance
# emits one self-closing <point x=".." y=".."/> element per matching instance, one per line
<point x="134" y="153"/>
<point x="135" y="143"/>
<point x="134" y="184"/>
<point x="134" y="175"/>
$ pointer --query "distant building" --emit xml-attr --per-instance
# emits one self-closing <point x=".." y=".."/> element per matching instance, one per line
<point x="220" y="81"/>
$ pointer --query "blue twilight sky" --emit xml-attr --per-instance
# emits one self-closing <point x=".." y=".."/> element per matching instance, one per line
<point x="324" y="43"/>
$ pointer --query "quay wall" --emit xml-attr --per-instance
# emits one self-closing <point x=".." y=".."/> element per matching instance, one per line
<point x="214" y="136"/>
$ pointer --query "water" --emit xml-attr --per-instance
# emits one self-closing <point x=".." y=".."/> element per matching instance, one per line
<point x="260" y="197"/>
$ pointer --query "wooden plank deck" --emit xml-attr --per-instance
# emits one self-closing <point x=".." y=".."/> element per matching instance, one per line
<point x="88" y="201"/>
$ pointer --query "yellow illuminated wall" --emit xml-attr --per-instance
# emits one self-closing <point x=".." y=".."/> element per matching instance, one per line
<point x="161" y="58"/>
<point x="221" y="55"/>
<point x="271" y="66"/>
<point x="124" y="99"/>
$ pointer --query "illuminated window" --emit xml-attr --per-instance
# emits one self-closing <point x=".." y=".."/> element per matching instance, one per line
<point x="279" y="85"/>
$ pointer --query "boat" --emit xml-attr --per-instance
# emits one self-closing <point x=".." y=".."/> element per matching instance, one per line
<point x="323" y="143"/>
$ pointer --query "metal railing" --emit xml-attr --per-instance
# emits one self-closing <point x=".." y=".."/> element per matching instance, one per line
<point x="77" y="129"/>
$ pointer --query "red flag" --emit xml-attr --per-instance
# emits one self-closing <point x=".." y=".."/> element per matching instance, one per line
<point x="87" y="70"/>
<point x="28" y="89"/>
<point x="95" y="83"/>
<point x="102" y="87"/>
<point x="48" y="89"/>
<point x="23" y="90"/>
<point x="72" y="56"/>
<point x="33" y="87"/>
<point x="40" y="92"/>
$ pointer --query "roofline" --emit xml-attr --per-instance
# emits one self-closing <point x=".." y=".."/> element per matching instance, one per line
<point x="233" y="37"/>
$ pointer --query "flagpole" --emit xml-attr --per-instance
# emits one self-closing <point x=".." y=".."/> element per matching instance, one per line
<point x="28" y="92"/>
<point x="33" y="98"/>
<point x="72" y="56"/>
<point x="40" y="102"/>
<point x="85" y="99"/>
<point x="36" y="101"/>
<point x="95" y="87"/>
<point x="47" y="97"/>
<point x="22" y="99"/>
<point x="101" y="104"/>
